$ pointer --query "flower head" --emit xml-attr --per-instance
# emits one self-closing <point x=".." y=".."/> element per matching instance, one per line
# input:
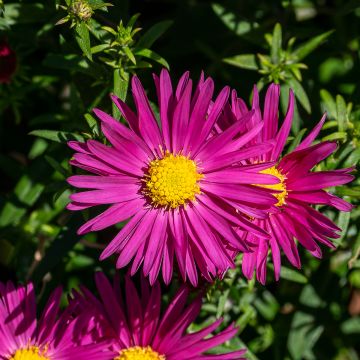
<point x="140" y="331"/>
<point x="295" y="220"/>
<point x="54" y="336"/>
<point x="7" y="62"/>
<point x="185" y="190"/>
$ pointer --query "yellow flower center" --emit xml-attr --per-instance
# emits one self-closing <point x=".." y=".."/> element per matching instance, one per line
<point x="30" y="353"/>
<point x="172" y="180"/>
<point x="139" y="353"/>
<point x="280" y="186"/>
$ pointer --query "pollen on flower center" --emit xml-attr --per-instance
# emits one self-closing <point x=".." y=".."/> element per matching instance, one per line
<point x="139" y="353"/>
<point x="30" y="353"/>
<point x="280" y="186"/>
<point x="172" y="180"/>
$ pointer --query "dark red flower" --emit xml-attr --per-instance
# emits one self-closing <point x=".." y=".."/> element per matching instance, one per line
<point x="7" y="62"/>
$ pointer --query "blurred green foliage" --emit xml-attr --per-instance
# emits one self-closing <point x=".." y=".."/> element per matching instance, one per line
<point x="64" y="70"/>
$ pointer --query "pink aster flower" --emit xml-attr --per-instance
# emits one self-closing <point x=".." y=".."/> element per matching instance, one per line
<point x="139" y="330"/>
<point x="23" y="337"/>
<point x="182" y="190"/>
<point x="295" y="221"/>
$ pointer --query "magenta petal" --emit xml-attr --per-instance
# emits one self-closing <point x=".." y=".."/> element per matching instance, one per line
<point x="148" y="127"/>
<point x="271" y="112"/>
<point x="312" y="136"/>
<point x="284" y="131"/>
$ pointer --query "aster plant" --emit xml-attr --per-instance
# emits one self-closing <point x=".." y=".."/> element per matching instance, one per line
<point x="140" y="331"/>
<point x="54" y="336"/>
<point x="294" y="221"/>
<point x="185" y="193"/>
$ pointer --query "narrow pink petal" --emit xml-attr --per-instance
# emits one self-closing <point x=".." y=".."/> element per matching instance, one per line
<point x="312" y="136"/>
<point x="213" y="116"/>
<point x="181" y="118"/>
<point x="284" y="131"/>
<point x="222" y="161"/>
<point x="199" y="111"/>
<point x="113" y="215"/>
<point x="271" y="109"/>
<point x="129" y="192"/>
<point x="125" y="232"/>
<point x="318" y="180"/>
<point x="148" y="127"/>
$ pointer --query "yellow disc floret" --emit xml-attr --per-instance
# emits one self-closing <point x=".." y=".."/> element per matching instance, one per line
<point x="139" y="353"/>
<point x="172" y="181"/>
<point x="281" y="196"/>
<point x="30" y="353"/>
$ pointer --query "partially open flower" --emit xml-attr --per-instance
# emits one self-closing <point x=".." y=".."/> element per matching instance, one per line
<point x="295" y="222"/>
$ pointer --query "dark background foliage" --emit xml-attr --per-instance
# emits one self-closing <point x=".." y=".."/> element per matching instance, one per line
<point x="310" y="314"/>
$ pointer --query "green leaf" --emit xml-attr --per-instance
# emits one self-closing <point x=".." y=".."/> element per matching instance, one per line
<point x="129" y="54"/>
<point x="304" y="333"/>
<point x="83" y="39"/>
<point x="351" y="326"/>
<point x="246" y="61"/>
<point x="335" y="136"/>
<point x="121" y="84"/>
<point x="343" y="223"/>
<point x="232" y="21"/>
<point x="99" y="48"/>
<point x="341" y="113"/>
<point x="150" y="36"/>
<point x="329" y="102"/>
<point x="300" y="94"/>
<point x="276" y="44"/>
<point x="222" y="301"/>
<point x="56" y="135"/>
<point x="292" y="275"/>
<point x="150" y="54"/>
<point x="308" y="47"/>
<point x="93" y="125"/>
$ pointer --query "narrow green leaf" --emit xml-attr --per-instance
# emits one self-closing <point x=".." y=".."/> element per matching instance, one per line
<point x="222" y="301"/>
<point x="150" y="54"/>
<point x="341" y="113"/>
<point x="150" y="36"/>
<point x="245" y="61"/>
<point x="93" y="125"/>
<point x="99" y="48"/>
<point x="308" y="47"/>
<point x="335" y="136"/>
<point x="121" y="84"/>
<point x="129" y="54"/>
<point x="56" y="135"/>
<point x="329" y="102"/>
<point x="232" y="21"/>
<point x="83" y="39"/>
<point x="292" y="275"/>
<point x="343" y="223"/>
<point x="276" y="44"/>
<point x="300" y="94"/>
